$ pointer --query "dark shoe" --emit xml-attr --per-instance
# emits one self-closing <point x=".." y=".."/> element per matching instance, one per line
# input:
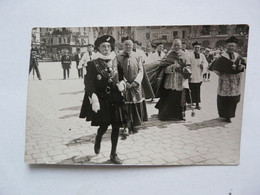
<point x="115" y="159"/>
<point x="198" y="107"/>
<point x="97" y="146"/>
<point x="228" y="120"/>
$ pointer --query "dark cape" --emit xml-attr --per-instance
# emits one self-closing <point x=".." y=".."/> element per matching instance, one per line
<point x="224" y="65"/>
<point x="111" y="104"/>
<point x="155" y="71"/>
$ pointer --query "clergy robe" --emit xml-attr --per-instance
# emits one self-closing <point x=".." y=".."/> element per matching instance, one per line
<point x="197" y="75"/>
<point x="133" y="71"/>
<point x="229" y="89"/>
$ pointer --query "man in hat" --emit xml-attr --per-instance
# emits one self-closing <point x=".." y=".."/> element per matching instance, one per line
<point x="103" y="101"/>
<point x="66" y="64"/>
<point x="158" y="54"/>
<point x="199" y="66"/>
<point x="77" y="59"/>
<point x="87" y="56"/>
<point x="137" y="49"/>
<point x="34" y="63"/>
<point x="229" y="85"/>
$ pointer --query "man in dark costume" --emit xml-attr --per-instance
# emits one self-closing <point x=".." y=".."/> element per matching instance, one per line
<point x="66" y="63"/>
<point x="229" y="67"/>
<point x="103" y="100"/>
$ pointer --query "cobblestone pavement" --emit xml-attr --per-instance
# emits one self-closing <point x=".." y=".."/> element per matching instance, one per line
<point x="55" y="134"/>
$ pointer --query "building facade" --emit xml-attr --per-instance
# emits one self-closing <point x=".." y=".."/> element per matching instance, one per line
<point x="54" y="40"/>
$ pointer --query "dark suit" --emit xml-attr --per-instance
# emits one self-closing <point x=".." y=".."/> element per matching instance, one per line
<point x="80" y="70"/>
<point x="66" y="63"/>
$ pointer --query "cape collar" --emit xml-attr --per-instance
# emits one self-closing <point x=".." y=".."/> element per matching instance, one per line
<point x="226" y="55"/>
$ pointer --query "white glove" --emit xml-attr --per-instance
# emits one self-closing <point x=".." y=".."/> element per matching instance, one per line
<point x="96" y="107"/>
<point x="94" y="102"/>
<point x="121" y="86"/>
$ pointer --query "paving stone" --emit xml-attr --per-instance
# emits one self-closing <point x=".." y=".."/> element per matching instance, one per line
<point x="211" y="141"/>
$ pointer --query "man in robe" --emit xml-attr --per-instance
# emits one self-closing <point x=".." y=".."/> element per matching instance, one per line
<point x="199" y="66"/>
<point x="229" y="67"/>
<point x="133" y="71"/>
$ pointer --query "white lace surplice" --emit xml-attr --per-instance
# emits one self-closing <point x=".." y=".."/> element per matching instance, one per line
<point x="229" y="84"/>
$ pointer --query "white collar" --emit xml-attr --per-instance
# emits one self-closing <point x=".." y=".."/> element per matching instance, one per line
<point x="111" y="56"/>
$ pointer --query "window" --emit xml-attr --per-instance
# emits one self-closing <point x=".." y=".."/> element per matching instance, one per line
<point x="147" y="36"/>
<point x="164" y="37"/>
<point x="60" y="40"/>
<point x="175" y="34"/>
<point x="240" y="29"/>
<point x="183" y="34"/>
<point x="205" y="30"/>
<point x="223" y="30"/>
<point x="155" y="35"/>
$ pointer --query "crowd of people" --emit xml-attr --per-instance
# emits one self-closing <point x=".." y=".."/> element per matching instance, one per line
<point x="117" y="83"/>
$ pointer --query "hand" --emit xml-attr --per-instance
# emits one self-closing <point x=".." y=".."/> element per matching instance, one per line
<point x="176" y="65"/>
<point x="121" y="86"/>
<point x="234" y="66"/>
<point x="241" y="67"/>
<point x="128" y="85"/>
<point x="134" y="84"/>
<point x="96" y="107"/>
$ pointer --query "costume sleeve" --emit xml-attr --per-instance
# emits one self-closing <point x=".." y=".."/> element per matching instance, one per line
<point x="140" y="74"/>
<point x="89" y="80"/>
<point x="120" y="70"/>
<point x="84" y="60"/>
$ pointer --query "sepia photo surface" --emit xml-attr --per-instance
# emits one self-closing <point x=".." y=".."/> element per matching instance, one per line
<point x="136" y="95"/>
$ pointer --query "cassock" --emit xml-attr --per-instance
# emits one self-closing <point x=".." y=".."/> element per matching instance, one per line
<point x="197" y="59"/>
<point x="170" y="86"/>
<point x="229" y="86"/>
<point x="133" y="71"/>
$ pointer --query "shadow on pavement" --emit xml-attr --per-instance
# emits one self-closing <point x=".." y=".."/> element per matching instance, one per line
<point x="207" y="123"/>
<point x="155" y="122"/>
<point x="71" y="108"/>
<point x="69" y="116"/>
<point x="78" y="160"/>
<point x="72" y="93"/>
<point x="89" y="139"/>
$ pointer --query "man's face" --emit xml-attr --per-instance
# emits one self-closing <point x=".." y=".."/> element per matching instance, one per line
<point x="105" y="48"/>
<point x="90" y="48"/>
<point x="206" y="52"/>
<point x="159" y="48"/>
<point x="128" y="46"/>
<point x="231" y="47"/>
<point x="134" y="45"/>
<point x="176" y="46"/>
<point x="183" y="46"/>
<point x="197" y="48"/>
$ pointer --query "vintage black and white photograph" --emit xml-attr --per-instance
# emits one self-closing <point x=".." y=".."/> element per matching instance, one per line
<point x="136" y="95"/>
